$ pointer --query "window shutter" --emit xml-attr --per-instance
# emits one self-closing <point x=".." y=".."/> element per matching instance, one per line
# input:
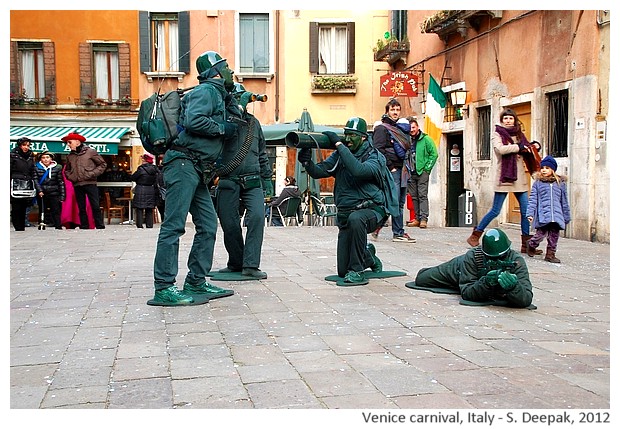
<point x="314" y="47"/>
<point x="124" y="70"/>
<point x="145" y="41"/>
<point x="49" y="55"/>
<point x="86" y="70"/>
<point x="184" y="65"/>
<point x="351" y="47"/>
<point x="15" y="75"/>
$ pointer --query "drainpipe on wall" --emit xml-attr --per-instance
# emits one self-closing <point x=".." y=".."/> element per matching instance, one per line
<point x="277" y="61"/>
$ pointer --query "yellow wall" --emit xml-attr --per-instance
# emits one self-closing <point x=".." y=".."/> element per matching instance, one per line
<point x="67" y="29"/>
<point x="328" y="109"/>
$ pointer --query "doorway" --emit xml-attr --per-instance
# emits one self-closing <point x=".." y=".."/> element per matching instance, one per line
<point x="455" y="182"/>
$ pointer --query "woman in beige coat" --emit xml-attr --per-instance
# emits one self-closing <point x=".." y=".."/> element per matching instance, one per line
<point x="508" y="142"/>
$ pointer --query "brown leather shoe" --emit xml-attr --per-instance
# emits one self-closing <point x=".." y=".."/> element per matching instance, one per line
<point x="422" y="224"/>
<point x="413" y="223"/>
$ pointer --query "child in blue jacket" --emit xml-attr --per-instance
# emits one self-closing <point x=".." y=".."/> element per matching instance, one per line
<point x="548" y="208"/>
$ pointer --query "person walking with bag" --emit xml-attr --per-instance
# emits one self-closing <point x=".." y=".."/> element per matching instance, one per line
<point x="51" y="190"/>
<point x="21" y="169"/>
<point x="145" y="193"/>
<point x="508" y="143"/>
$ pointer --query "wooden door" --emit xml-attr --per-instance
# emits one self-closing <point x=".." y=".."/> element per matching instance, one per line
<point x="524" y="111"/>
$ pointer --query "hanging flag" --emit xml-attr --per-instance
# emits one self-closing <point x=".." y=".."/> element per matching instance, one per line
<point x="435" y="103"/>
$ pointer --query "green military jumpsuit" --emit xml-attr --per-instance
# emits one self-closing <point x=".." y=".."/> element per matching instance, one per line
<point x="244" y="186"/>
<point x="467" y="273"/>
<point x="360" y="188"/>
<point x="197" y="148"/>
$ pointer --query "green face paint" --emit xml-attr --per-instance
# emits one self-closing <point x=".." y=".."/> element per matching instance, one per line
<point x="353" y="141"/>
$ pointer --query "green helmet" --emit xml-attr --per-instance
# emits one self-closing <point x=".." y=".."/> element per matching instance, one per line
<point x="495" y="243"/>
<point x="356" y="125"/>
<point x="239" y="89"/>
<point x="209" y="60"/>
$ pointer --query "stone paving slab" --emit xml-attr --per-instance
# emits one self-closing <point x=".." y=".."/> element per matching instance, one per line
<point x="85" y="338"/>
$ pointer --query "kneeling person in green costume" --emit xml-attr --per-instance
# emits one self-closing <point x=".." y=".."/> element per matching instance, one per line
<point x="491" y="271"/>
<point x="364" y="195"/>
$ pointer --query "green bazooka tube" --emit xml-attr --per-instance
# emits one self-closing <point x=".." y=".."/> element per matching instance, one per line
<point x="302" y="140"/>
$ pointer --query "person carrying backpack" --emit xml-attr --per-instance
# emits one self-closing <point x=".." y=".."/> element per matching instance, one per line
<point x="189" y="165"/>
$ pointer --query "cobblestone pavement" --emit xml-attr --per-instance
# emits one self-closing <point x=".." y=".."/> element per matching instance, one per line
<point x="82" y="336"/>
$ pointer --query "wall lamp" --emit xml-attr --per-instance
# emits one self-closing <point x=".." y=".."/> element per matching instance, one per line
<point x="458" y="97"/>
<point x="423" y="106"/>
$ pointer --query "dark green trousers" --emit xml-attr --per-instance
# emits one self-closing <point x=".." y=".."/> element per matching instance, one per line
<point x="185" y="193"/>
<point x="230" y="197"/>
<point x="445" y="275"/>
<point x="352" y="252"/>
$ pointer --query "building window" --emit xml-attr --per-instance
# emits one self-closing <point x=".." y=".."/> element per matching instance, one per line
<point x="557" y="123"/>
<point x="165" y="37"/>
<point x="32" y="69"/>
<point x="253" y="43"/>
<point x="332" y="48"/>
<point x="484" y="133"/>
<point x="164" y="42"/>
<point x="105" y="61"/>
<point x="398" y="24"/>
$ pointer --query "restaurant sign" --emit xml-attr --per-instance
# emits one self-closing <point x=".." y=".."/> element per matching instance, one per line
<point x="399" y="84"/>
<point x="61" y="147"/>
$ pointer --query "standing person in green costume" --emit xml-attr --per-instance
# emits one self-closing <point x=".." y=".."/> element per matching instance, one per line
<point x="247" y="185"/>
<point x="189" y="165"/>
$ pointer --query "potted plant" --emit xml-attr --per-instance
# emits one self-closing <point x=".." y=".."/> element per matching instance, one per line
<point x="333" y="83"/>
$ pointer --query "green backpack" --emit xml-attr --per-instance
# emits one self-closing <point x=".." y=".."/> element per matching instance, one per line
<point x="158" y="120"/>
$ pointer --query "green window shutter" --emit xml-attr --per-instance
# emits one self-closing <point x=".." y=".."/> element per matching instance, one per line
<point x="254" y="43"/>
<point x="145" y="41"/>
<point x="184" y="65"/>
<point x="351" y="47"/>
<point x="314" y="47"/>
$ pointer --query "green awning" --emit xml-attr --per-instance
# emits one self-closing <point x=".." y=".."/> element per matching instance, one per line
<point x="54" y="134"/>
<point x="104" y="140"/>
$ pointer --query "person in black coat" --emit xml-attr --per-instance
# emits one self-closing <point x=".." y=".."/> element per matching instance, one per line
<point x="50" y="189"/>
<point x="145" y="193"/>
<point x="22" y="167"/>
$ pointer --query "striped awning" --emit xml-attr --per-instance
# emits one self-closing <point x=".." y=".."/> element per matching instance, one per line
<point x="54" y="134"/>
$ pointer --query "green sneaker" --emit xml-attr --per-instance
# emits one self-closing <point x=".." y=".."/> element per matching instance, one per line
<point x="376" y="266"/>
<point x="207" y="289"/>
<point x="354" y="278"/>
<point x="170" y="297"/>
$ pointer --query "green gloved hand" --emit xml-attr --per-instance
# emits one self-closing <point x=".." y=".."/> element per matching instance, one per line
<point x="332" y="136"/>
<point x="491" y="277"/>
<point x="267" y="187"/>
<point x="507" y="280"/>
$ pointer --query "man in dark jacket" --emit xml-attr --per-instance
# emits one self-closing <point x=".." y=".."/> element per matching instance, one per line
<point x="50" y="189"/>
<point x="188" y="170"/>
<point x="489" y="272"/>
<point x="248" y="184"/>
<point x="21" y="168"/>
<point x="384" y="137"/>
<point x="364" y="195"/>
<point x="84" y="165"/>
